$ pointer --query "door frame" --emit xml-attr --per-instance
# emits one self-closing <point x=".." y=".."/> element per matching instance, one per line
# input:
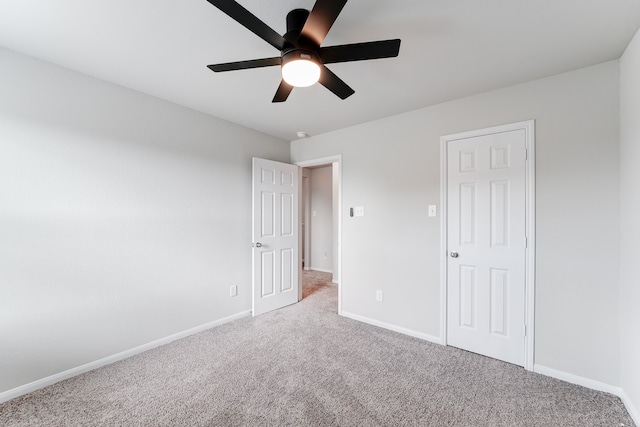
<point x="530" y="212"/>
<point x="323" y="161"/>
<point x="306" y="202"/>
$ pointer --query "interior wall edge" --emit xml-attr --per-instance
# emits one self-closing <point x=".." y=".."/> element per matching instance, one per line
<point x="629" y="230"/>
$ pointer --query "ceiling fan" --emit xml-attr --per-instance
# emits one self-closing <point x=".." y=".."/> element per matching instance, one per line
<point x="301" y="57"/>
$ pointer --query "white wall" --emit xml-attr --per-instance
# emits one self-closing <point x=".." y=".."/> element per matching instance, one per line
<point x="321" y="219"/>
<point x="391" y="167"/>
<point x="630" y="222"/>
<point x="123" y="218"/>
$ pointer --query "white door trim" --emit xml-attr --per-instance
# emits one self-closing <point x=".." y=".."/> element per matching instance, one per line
<point x="320" y="162"/>
<point x="529" y="128"/>
<point x="304" y="195"/>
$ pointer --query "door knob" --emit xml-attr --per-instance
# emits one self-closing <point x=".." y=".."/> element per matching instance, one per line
<point x="257" y="245"/>
<point x="454" y="255"/>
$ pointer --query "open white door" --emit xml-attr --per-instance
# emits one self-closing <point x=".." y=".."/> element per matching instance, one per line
<point x="275" y="235"/>
<point x="487" y="244"/>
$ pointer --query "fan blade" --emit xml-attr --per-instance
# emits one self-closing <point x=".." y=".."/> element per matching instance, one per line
<point x="250" y="21"/>
<point x="360" y="51"/>
<point x="335" y="84"/>
<point x="283" y="92"/>
<point x="243" y="65"/>
<point x="321" y="18"/>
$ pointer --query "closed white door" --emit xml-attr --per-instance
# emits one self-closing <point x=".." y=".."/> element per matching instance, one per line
<point x="486" y="244"/>
<point x="275" y="235"/>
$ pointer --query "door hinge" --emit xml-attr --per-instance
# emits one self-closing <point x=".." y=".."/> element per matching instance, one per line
<point x="525" y="330"/>
<point x="526" y="154"/>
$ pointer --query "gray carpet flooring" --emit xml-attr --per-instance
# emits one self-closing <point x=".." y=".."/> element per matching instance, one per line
<point x="306" y="366"/>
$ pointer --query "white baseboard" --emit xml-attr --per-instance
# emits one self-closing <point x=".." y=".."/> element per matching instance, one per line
<point x="321" y="270"/>
<point x="44" y="382"/>
<point x="576" y="379"/>
<point x="633" y="411"/>
<point x="592" y="384"/>
<point x="391" y="327"/>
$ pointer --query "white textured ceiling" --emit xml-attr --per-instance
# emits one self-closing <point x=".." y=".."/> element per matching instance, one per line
<point x="450" y="49"/>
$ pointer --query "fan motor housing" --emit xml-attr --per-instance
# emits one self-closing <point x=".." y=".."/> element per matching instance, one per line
<point x="296" y="20"/>
<point x="295" y="23"/>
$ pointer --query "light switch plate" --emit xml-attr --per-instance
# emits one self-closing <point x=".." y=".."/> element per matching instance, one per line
<point x="359" y="210"/>
<point x="432" y="210"/>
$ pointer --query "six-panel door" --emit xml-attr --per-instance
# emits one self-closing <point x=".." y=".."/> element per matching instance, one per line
<point x="486" y="240"/>
<point x="275" y="235"/>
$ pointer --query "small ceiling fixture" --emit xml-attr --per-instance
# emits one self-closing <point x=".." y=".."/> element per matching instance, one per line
<point x="300" y="68"/>
<point x="302" y="134"/>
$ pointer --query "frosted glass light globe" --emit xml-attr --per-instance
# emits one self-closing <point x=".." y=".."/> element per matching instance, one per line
<point x="301" y="72"/>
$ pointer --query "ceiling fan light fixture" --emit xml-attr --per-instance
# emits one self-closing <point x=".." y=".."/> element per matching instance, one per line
<point x="302" y="58"/>
<point x="300" y="69"/>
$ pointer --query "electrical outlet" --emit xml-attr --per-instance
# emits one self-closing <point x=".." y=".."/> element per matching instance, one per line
<point x="233" y="290"/>
<point x="378" y="295"/>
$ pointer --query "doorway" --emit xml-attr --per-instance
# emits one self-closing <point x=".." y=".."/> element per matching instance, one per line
<point x="320" y="224"/>
<point x="488" y="242"/>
